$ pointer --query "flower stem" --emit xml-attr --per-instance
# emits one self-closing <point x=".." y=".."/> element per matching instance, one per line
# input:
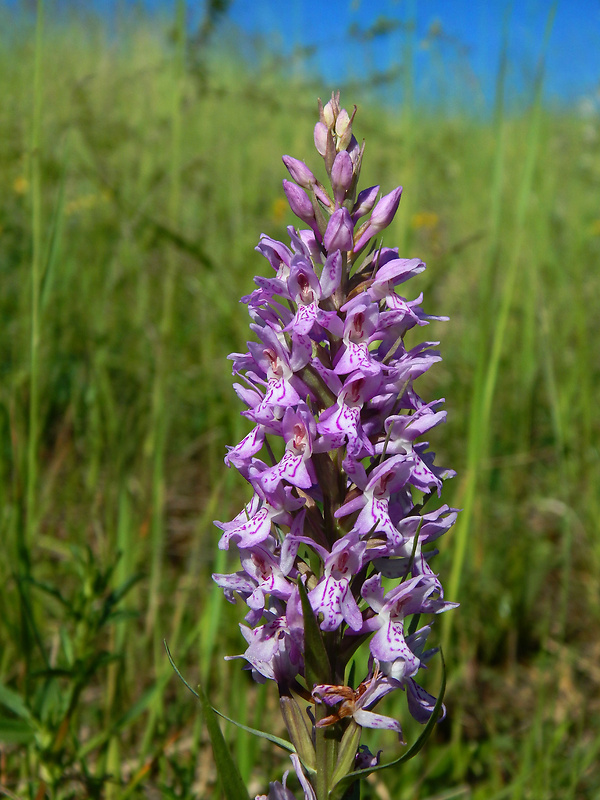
<point x="36" y="272"/>
<point x="322" y="748"/>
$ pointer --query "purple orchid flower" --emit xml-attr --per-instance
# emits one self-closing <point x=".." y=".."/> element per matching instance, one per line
<point x="417" y="595"/>
<point x="305" y="290"/>
<point x="355" y="704"/>
<point x="332" y="597"/>
<point x="296" y="467"/>
<point x="335" y="459"/>
<point x="384" y="481"/>
<point x="275" y="649"/>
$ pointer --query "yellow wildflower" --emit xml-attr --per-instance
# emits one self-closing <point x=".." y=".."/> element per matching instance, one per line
<point x="425" y="219"/>
<point x="20" y="185"/>
<point x="279" y="209"/>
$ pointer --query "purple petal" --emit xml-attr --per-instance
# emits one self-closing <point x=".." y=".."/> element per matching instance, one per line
<point x="248" y="447"/>
<point x="339" y="232"/>
<point x="299" y="172"/>
<point x="373" y="592"/>
<point x="320" y="137"/>
<point x="388" y="644"/>
<point x="291" y="468"/>
<point x="299" y="201"/>
<point x="341" y="176"/>
<point x="332" y="274"/>
<point x="367" y="719"/>
<point x="309" y="792"/>
<point x="364" y="202"/>
<point x="420" y="702"/>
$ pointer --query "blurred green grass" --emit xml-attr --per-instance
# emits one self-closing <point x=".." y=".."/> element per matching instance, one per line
<point x="151" y="178"/>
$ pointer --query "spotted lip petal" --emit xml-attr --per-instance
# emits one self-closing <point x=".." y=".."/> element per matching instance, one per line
<point x="368" y="719"/>
<point x="332" y="597"/>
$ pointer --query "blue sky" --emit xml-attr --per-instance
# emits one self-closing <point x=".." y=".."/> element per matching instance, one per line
<point x="456" y="44"/>
<point x="462" y="59"/>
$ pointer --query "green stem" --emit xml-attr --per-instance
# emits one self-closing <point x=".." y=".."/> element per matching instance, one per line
<point x="159" y="421"/>
<point x="323" y="755"/>
<point x="36" y="272"/>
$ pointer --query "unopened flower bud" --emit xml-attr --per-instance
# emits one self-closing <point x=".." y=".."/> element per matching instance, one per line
<point x="321" y="138"/>
<point x="302" y="206"/>
<point x="299" y="201"/>
<point x="364" y="202"/>
<point x="385" y="210"/>
<point x="341" y="176"/>
<point x="343" y="129"/>
<point x="299" y="172"/>
<point x="340" y="230"/>
<point x="356" y="153"/>
<point x="382" y="215"/>
<point x="329" y="114"/>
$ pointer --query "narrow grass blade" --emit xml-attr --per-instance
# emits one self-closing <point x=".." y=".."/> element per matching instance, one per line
<point x="489" y="360"/>
<point x="136" y="710"/>
<point x="16" y="731"/>
<point x="229" y="774"/>
<point x="54" y="245"/>
<point x="283" y="743"/>
<point x="463" y="527"/>
<point x="14" y="702"/>
<point x="36" y="273"/>
<point x="160" y="407"/>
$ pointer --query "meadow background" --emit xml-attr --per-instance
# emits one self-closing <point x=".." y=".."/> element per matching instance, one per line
<point x="139" y="163"/>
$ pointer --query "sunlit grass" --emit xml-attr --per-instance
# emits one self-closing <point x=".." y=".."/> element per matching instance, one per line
<point x="147" y="206"/>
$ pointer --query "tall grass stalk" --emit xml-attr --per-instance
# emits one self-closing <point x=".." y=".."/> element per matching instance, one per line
<point x="36" y="277"/>
<point x="409" y="128"/>
<point x="160" y="411"/>
<point x="489" y="362"/>
<point x="462" y="530"/>
<point x="160" y="414"/>
<point x="27" y="528"/>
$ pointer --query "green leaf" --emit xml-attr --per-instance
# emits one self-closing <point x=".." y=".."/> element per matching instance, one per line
<point x="119" y="593"/>
<point x="14" y="702"/>
<point x="300" y="731"/>
<point x="283" y="743"/>
<point x="347" y="752"/>
<point x="317" y="668"/>
<point x="16" y="731"/>
<point x="56" y="230"/>
<point x="229" y="774"/>
<point x="127" y="718"/>
<point x="67" y="645"/>
<point x="48" y="589"/>
<point x="138" y="708"/>
<point x="338" y="791"/>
